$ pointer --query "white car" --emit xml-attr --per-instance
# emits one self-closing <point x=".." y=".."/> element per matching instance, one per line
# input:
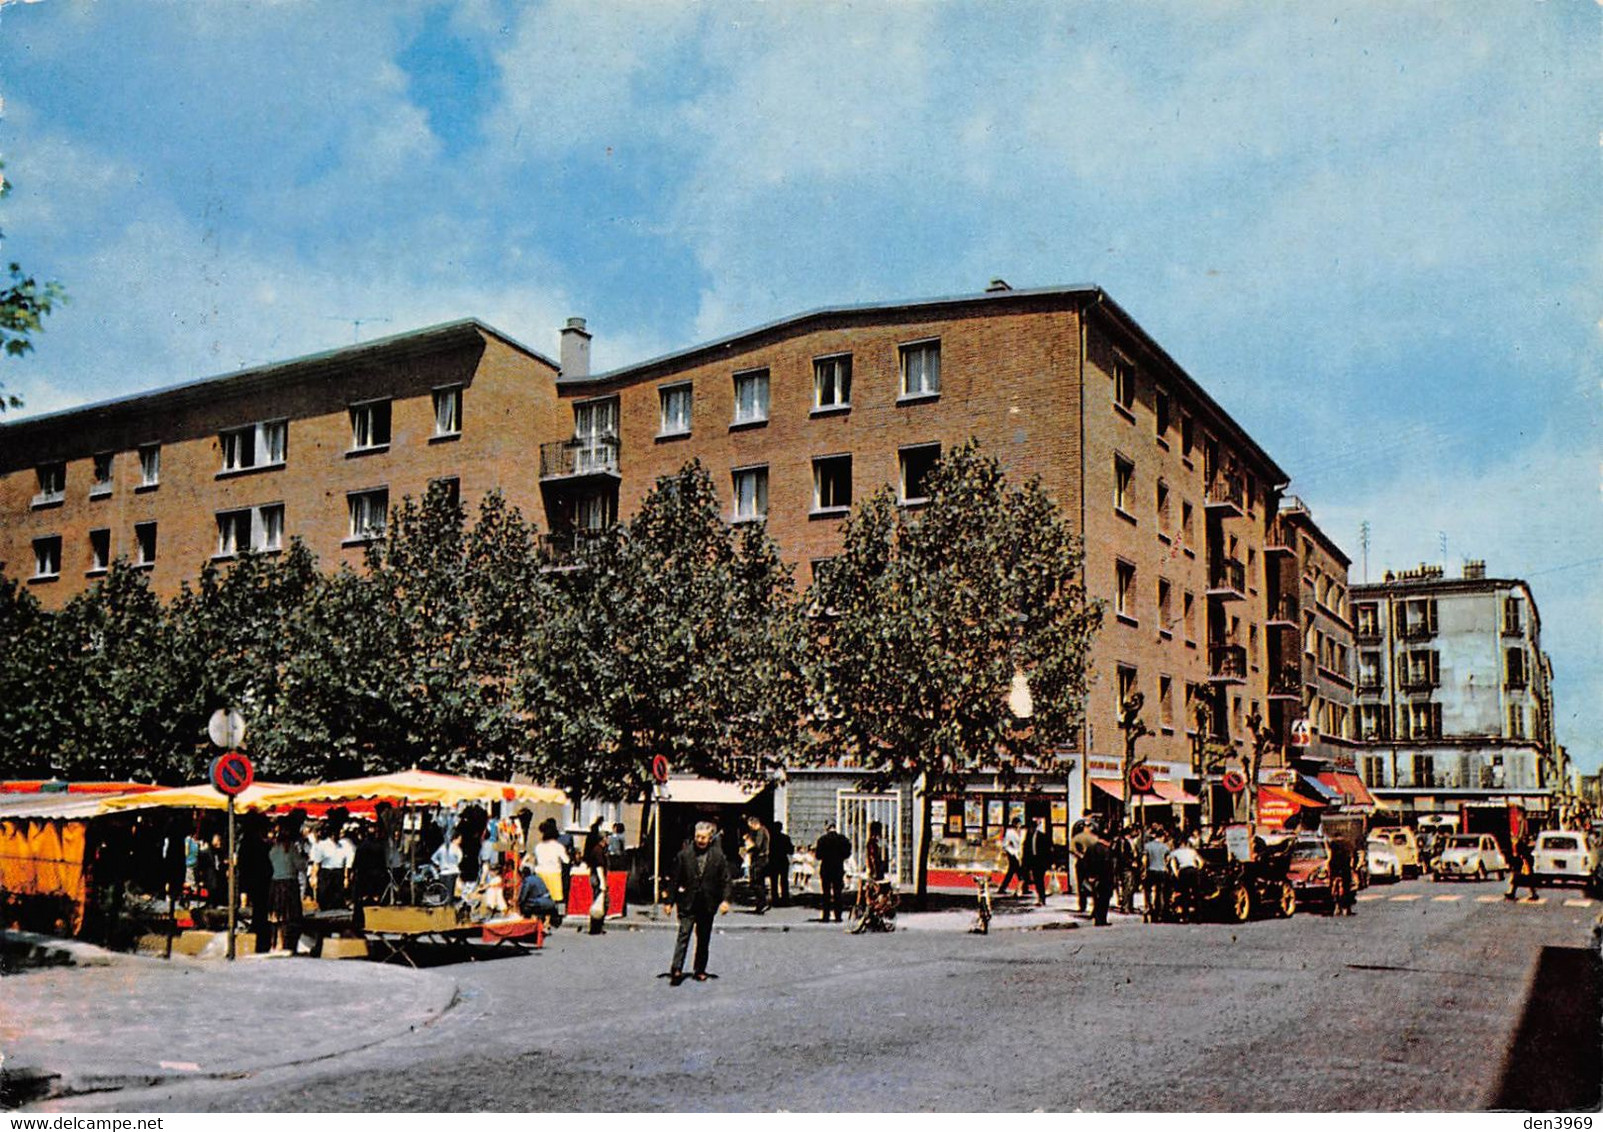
<point x="1561" y="855"/>
<point x="1382" y="861"/>
<point x="1471" y="856"/>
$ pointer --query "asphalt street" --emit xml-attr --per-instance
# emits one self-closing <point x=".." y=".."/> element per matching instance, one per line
<point x="1431" y="998"/>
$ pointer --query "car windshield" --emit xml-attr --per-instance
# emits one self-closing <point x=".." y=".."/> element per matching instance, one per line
<point x="1308" y="851"/>
<point x="1466" y="843"/>
<point x="1560" y="843"/>
<point x="1379" y="847"/>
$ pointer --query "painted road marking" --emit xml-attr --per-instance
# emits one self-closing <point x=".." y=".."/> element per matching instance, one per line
<point x="1487" y="899"/>
<point x="1577" y="903"/>
<point x="1407" y="897"/>
<point x="1445" y="899"/>
<point x="1372" y="896"/>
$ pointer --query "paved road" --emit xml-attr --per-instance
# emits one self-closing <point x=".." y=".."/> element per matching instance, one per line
<point x="1419" y="1002"/>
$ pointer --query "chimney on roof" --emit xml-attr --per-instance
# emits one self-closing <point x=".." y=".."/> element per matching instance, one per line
<point x="998" y="285"/>
<point x="575" y="356"/>
<point x="1475" y="568"/>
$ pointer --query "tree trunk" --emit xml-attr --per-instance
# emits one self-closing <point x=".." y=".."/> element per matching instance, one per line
<point x="921" y="867"/>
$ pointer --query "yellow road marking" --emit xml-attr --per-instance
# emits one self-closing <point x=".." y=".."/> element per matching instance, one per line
<point x="1577" y="903"/>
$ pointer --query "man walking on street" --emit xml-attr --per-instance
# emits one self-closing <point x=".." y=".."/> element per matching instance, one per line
<point x="1157" y="878"/>
<point x="1099" y="864"/>
<point x="831" y="851"/>
<point x="700" y="888"/>
<point x="1522" y="870"/>
<point x="1084" y="834"/>
<point x="1012" y="849"/>
<point x="1037" y="855"/>
<point x="757" y="845"/>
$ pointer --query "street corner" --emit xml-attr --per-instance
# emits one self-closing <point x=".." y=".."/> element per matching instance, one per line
<point x="146" y="1022"/>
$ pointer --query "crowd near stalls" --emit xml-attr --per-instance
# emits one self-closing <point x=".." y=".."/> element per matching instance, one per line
<point x="117" y="861"/>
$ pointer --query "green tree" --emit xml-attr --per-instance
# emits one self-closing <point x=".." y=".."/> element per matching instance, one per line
<point x="927" y="618"/>
<point x="28" y="719"/>
<point x="24" y="303"/>
<point x="674" y="635"/>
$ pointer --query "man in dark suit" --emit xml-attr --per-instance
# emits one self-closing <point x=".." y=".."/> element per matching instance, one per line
<point x="700" y="889"/>
<point x="1037" y="855"/>
<point x="831" y="851"/>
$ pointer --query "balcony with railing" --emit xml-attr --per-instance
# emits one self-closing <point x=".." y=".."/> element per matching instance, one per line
<point x="1284" y="612"/>
<point x="1227" y="664"/>
<point x="560" y="549"/>
<point x="1416" y="631"/>
<point x="579" y="458"/>
<point x="1417" y="682"/>
<point x="1226" y="494"/>
<point x="1227" y="579"/>
<point x="1285" y="683"/>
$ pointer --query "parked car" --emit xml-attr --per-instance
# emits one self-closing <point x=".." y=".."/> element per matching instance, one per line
<point x="1561" y="856"/>
<point x="1309" y="872"/>
<point x="1382" y="861"/>
<point x="1473" y="856"/>
<point x="1404" y="844"/>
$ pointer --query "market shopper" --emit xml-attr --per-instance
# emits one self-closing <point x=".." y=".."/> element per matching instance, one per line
<point x="699" y="889"/>
<point x="1084" y="835"/>
<point x="1185" y="865"/>
<point x="1098" y="861"/>
<point x="595" y="859"/>
<point x="1342" y="881"/>
<point x="781" y="849"/>
<point x="831" y="852"/>
<point x="1156" y="887"/>
<point x="1522" y="869"/>
<point x="757" y="845"/>
<point x="288" y="867"/>
<point x="1036" y="857"/>
<point x="534" y="898"/>
<point x="550" y="859"/>
<point x="255" y="871"/>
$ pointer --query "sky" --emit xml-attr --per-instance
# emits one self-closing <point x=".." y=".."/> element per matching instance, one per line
<point x="1371" y="230"/>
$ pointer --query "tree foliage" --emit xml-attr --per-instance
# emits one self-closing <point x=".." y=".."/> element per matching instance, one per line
<point x="673" y="635"/>
<point x="24" y="303"/>
<point x="928" y="616"/>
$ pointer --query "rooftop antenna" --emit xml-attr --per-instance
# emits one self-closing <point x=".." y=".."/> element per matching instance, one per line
<point x="1441" y="540"/>
<point x="356" y="324"/>
<point x="1363" y="541"/>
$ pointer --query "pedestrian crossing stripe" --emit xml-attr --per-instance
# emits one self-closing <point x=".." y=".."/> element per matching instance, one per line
<point x="1407" y="896"/>
<point x="1577" y="903"/>
<point x="1488" y="899"/>
<point x="1445" y="899"/>
<point x="1372" y="896"/>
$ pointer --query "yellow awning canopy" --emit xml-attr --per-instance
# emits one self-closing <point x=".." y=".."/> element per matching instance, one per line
<point x="418" y="787"/>
<point x="201" y="796"/>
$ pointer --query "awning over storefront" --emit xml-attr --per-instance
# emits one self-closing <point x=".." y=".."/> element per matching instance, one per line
<point x="1350" y="787"/>
<point x="1276" y="804"/>
<point x="1163" y="792"/>
<point x="708" y="792"/>
<point x="1319" y="791"/>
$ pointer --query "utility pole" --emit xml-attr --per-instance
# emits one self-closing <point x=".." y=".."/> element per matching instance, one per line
<point x="1363" y="541"/>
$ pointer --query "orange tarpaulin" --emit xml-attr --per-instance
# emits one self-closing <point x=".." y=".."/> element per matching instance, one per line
<point x="44" y="858"/>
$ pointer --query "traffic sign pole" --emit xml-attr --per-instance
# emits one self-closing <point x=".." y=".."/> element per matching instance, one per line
<point x="233" y="881"/>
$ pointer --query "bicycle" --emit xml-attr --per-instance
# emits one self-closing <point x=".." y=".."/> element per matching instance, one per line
<point x="874" y="908"/>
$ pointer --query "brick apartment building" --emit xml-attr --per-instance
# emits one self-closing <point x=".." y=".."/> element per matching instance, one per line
<point x="796" y="420"/>
<point x="1454" y="695"/>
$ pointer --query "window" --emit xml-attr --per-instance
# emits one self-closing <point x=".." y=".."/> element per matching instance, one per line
<point x="1123" y="473"/>
<point x="1128" y="680"/>
<point x="1516" y="721"/>
<point x="1160" y="401"/>
<point x="1512" y="621"/>
<point x="1166" y="702"/>
<point x="595" y="436"/>
<point x="370" y="426"/>
<point x="47" y="557"/>
<point x="448" y="411"/>
<point x="1124" y="586"/>
<point x="1369" y="672"/>
<point x="832" y="382"/>
<point x="1514" y="667"/>
<point x="675" y="401"/>
<point x="1188" y="436"/>
<point x="595" y="511"/>
<point x="1366" y="621"/>
<point x="1374" y="722"/>
<point x="751" y="397"/>
<point x="250" y="528"/>
<point x="254" y="446"/>
<point x="832" y="483"/>
<point x="921" y="369"/>
<point x="101" y="484"/>
<point x="1124" y="385"/>
<point x="1189" y="616"/>
<point x="751" y="493"/>
<point x="369" y="513"/>
<point x="99" y="550"/>
<point x="52" y="479"/>
<point x="149" y="465"/>
<point x="145" y="542"/>
<point x="452" y="487"/>
<point x="916" y="465"/>
<point x="1186" y="525"/>
<point x="1165" y="625"/>
<point x="1163" y="509"/>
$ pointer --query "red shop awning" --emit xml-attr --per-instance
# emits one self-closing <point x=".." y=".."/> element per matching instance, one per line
<point x="1163" y="792"/>
<point x="1350" y="786"/>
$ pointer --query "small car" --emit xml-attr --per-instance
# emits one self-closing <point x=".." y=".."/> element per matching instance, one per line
<point x="1382" y="861"/>
<point x="1471" y="856"/>
<point x="1561" y="856"/>
<point x="1405" y="846"/>
<point x="1309" y="871"/>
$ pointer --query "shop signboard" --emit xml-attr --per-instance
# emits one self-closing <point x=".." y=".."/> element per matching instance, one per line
<point x="1274" y="811"/>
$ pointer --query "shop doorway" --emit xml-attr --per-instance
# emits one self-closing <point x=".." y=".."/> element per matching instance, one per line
<point x="854" y="812"/>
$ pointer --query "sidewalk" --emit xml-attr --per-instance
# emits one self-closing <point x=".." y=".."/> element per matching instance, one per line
<point x="113" y="1021"/>
<point x="952" y="911"/>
